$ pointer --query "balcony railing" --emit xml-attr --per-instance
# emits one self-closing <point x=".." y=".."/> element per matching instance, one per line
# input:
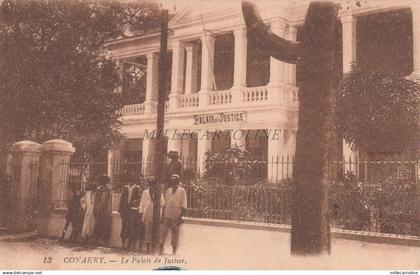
<point x="133" y="110"/>
<point x="188" y="101"/>
<point x="256" y="94"/>
<point x="287" y="94"/>
<point x="220" y="97"/>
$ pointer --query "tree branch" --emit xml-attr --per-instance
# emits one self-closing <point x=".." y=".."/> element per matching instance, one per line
<point x="278" y="47"/>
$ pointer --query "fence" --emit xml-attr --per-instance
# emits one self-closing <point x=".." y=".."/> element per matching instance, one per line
<point x="369" y="195"/>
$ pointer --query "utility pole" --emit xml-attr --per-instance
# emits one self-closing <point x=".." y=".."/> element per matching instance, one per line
<point x="160" y="154"/>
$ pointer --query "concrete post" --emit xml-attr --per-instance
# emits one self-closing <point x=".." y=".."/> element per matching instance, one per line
<point x="25" y="156"/>
<point x="54" y="161"/>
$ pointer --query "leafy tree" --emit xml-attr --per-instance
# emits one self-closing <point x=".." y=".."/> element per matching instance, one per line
<point x="134" y="83"/>
<point x="377" y="111"/>
<point x="57" y="77"/>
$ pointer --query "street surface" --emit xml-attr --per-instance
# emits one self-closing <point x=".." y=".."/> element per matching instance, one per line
<point x="209" y="247"/>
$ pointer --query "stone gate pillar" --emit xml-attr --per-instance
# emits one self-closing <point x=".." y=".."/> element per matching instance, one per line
<point x="25" y="156"/>
<point x="54" y="162"/>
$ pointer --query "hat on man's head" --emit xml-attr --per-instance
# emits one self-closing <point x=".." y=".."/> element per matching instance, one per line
<point x="151" y="180"/>
<point x="104" y="178"/>
<point x="175" y="176"/>
<point x="173" y="155"/>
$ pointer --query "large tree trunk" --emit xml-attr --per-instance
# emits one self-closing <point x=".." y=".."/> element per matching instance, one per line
<point x="310" y="209"/>
<point x="316" y="52"/>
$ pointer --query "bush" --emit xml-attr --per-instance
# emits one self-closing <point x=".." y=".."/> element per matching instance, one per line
<point x="388" y="206"/>
<point x="377" y="111"/>
<point x="234" y="166"/>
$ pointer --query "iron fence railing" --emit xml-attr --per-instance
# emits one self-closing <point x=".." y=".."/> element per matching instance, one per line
<point x="377" y="196"/>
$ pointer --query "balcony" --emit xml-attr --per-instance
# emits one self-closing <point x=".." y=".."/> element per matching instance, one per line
<point x="263" y="96"/>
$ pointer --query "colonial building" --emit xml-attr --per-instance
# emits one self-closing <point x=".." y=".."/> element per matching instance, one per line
<point x="225" y="92"/>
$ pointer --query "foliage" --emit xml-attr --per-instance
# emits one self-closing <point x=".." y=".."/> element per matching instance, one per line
<point x="349" y="208"/>
<point x="134" y="83"/>
<point x="56" y="76"/>
<point x="377" y="111"/>
<point x="387" y="206"/>
<point x="233" y="166"/>
<point x="239" y="202"/>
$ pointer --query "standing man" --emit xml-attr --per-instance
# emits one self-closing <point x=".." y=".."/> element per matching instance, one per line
<point x="146" y="211"/>
<point x="130" y="217"/>
<point x="87" y="202"/>
<point x="175" y="206"/>
<point x="74" y="214"/>
<point x="102" y="209"/>
<point x="174" y="165"/>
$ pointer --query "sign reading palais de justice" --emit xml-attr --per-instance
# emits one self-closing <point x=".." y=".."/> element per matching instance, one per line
<point x="222" y="117"/>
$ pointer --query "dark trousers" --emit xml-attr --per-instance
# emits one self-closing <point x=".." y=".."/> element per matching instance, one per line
<point x="102" y="230"/>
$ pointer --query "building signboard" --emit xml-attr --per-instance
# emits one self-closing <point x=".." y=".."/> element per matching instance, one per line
<point x="220" y="117"/>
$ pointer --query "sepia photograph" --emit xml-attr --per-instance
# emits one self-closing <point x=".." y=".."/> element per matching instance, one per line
<point x="209" y="135"/>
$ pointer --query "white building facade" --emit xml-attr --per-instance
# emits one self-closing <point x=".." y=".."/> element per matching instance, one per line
<point x="216" y="91"/>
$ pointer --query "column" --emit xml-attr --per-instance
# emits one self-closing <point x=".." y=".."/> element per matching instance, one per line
<point x="191" y="71"/>
<point x="25" y="155"/>
<point x="177" y="81"/>
<point x="203" y="146"/>
<point x="151" y="82"/>
<point x="55" y="164"/>
<point x="148" y="154"/>
<point x="239" y="74"/>
<point x="349" y="41"/>
<point x="291" y="68"/>
<point x="416" y="40"/>
<point x="349" y="23"/>
<point x="277" y="157"/>
<point x="277" y="73"/>
<point x="207" y="67"/>
<point x="238" y="138"/>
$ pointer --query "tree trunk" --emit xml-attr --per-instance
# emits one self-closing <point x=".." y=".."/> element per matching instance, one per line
<point x="310" y="208"/>
<point x="315" y="138"/>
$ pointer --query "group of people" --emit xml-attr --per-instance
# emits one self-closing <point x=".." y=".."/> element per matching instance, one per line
<point x="137" y="214"/>
<point x="90" y="214"/>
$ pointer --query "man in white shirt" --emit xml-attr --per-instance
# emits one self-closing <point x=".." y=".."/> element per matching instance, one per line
<point x="175" y="206"/>
<point x="146" y="211"/>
